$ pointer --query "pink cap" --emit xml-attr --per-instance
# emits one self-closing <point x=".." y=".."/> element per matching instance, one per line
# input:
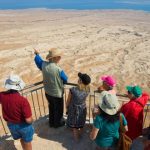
<point x="109" y="80"/>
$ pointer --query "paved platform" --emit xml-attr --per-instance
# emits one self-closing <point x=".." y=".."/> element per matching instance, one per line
<point x="47" y="138"/>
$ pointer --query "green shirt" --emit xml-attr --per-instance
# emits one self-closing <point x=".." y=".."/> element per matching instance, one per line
<point x="108" y="134"/>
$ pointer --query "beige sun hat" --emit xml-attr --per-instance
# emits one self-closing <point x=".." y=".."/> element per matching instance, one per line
<point x="14" y="82"/>
<point x="54" y="52"/>
<point x="109" y="103"/>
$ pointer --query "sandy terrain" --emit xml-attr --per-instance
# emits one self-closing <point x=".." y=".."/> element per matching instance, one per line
<point x="95" y="42"/>
<point x="46" y="138"/>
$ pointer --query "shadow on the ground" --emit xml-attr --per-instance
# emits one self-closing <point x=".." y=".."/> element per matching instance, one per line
<point x="7" y="143"/>
<point x="62" y="137"/>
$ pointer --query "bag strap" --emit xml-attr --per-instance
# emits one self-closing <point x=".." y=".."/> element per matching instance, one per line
<point x="121" y="123"/>
<point x="120" y="118"/>
<point x="139" y="103"/>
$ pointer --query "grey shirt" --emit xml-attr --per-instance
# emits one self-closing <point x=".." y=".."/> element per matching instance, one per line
<point x="53" y="83"/>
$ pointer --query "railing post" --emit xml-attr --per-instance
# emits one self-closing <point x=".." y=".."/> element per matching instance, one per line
<point x="38" y="103"/>
<point x="65" y="97"/>
<point x="90" y="109"/>
<point x="3" y="125"/>
<point x="145" y="115"/>
<point x="33" y="105"/>
<point x="43" y="102"/>
<point x="94" y="98"/>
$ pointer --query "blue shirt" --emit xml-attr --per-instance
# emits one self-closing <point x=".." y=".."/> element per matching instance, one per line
<point x="38" y="61"/>
<point x="108" y="134"/>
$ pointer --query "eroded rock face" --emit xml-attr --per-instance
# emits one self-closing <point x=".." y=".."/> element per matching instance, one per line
<point x="95" y="42"/>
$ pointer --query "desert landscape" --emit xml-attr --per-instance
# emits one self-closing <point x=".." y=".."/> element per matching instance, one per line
<point x="98" y="42"/>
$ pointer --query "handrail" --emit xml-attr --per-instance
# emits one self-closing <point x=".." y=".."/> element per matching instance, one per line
<point x="32" y="85"/>
<point x="71" y="84"/>
<point x="41" y="82"/>
<point x="122" y="95"/>
<point x="35" y="93"/>
<point x="37" y="84"/>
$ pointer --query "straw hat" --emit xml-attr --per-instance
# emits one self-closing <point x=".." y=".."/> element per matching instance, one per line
<point x="53" y="52"/>
<point x="14" y="82"/>
<point x="109" y="103"/>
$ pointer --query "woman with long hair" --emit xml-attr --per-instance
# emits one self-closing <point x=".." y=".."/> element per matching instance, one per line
<point x="106" y="125"/>
<point x="76" y="105"/>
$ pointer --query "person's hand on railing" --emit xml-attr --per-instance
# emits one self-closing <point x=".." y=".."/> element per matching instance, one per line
<point x="36" y="52"/>
<point x="95" y="111"/>
<point x="100" y="89"/>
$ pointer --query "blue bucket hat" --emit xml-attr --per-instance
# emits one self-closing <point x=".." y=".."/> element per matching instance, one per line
<point x="135" y="90"/>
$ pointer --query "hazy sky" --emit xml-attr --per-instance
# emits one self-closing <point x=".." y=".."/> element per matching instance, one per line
<point x="76" y="4"/>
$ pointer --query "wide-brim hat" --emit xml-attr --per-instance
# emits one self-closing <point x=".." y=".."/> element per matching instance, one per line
<point x="14" y="82"/>
<point x="54" y="52"/>
<point x="109" y="103"/>
<point x="110" y="81"/>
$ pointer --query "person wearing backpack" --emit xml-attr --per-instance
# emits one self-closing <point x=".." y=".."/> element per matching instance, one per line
<point x="133" y="110"/>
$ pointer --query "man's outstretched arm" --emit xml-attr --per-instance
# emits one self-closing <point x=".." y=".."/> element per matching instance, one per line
<point x="38" y="60"/>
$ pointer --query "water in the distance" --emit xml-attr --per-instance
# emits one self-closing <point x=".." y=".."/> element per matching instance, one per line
<point x="76" y="4"/>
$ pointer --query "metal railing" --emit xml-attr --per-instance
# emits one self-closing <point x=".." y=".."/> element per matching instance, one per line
<point x="36" y="96"/>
